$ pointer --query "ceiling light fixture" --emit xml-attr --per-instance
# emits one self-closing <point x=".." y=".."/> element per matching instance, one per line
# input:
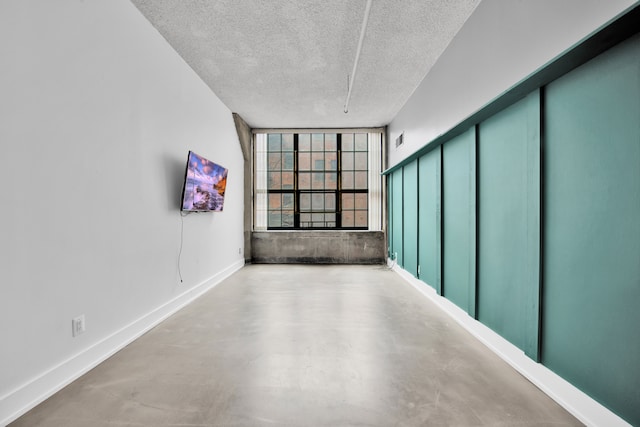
<point x="363" y="30"/>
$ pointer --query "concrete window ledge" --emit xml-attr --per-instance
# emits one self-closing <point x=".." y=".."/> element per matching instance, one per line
<point x="318" y="247"/>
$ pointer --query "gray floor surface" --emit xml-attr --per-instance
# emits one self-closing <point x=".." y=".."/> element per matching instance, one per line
<point x="294" y="345"/>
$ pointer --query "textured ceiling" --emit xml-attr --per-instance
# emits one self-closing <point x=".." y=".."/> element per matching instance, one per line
<point x="285" y="63"/>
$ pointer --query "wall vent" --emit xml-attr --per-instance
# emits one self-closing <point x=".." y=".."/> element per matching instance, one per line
<point x="400" y="140"/>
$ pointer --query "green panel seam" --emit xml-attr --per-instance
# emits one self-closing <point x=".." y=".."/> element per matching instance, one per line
<point x="418" y="219"/>
<point x="439" y="230"/>
<point x="402" y="218"/>
<point x="390" y="215"/>
<point x="473" y="241"/>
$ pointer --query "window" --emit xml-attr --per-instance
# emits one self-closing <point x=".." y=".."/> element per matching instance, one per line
<point x="314" y="181"/>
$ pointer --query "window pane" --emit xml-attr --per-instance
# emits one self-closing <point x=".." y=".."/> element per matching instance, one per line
<point x="288" y="161"/>
<point x="275" y="163"/>
<point x="347" y="180"/>
<point x="347" y="142"/>
<point x="330" y="142"/>
<point x="287" y="201"/>
<point x="318" y="219"/>
<point x="287" y="180"/>
<point x="331" y="181"/>
<point x="274" y="141"/>
<point x="287" y="142"/>
<point x="331" y="161"/>
<point x="304" y="180"/>
<point x="274" y="181"/>
<point x="361" y="180"/>
<point x="275" y="219"/>
<point x="304" y="219"/>
<point x="317" y="160"/>
<point x="347" y="201"/>
<point x="305" y="202"/>
<point x="361" y="161"/>
<point x="347" y="161"/>
<point x="348" y="219"/>
<point x="361" y="219"/>
<point x="304" y="161"/>
<point x="275" y="201"/>
<point x="317" y="202"/>
<point x="304" y="142"/>
<point x="318" y="181"/>
<point x="317" y="142"/>
<point x="287" y="219"/>
<point x="330" y="202"/>
<point x="361" y="201"/>
<point x="361" y="142"/>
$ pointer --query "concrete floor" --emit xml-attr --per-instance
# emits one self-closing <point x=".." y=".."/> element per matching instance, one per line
<point x="297" y="345"/>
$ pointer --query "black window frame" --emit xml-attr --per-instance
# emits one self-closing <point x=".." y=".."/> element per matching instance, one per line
<point x="338" y="192"/>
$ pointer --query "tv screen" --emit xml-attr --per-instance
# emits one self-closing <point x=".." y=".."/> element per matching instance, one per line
<point x="204" y="185"/>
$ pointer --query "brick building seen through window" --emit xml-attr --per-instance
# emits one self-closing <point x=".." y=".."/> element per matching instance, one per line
<point x="316" y="180"/>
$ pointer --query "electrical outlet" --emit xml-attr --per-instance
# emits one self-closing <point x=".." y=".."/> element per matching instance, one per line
<point x="77" y="325"/>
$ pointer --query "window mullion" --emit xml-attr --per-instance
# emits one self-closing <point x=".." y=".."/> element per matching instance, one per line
<point x="296" y="189"/>
<point x="339" y="182"/>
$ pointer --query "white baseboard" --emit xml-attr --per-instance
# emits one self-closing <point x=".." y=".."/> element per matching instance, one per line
<point x="575" y="401"/>
<point x="19" y="401"/>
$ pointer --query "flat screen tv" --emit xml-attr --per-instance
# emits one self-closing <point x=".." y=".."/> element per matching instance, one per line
<point x="204" y="185"/>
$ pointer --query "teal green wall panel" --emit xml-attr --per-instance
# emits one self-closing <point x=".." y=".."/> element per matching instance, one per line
<point x="508" y="223"/>
<point x="410" y="221"/>
<point x="533" y="289"/>
<point x="458" y="196"/>
<point x="548" y="255"/>
<point x="591" y="248"/>
<point x="430" y="222"/>
<point x="397" y="225"/>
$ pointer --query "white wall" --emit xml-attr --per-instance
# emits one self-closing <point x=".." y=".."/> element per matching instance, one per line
<point x="97" y="114"/>
<point x="501" y="43"/>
